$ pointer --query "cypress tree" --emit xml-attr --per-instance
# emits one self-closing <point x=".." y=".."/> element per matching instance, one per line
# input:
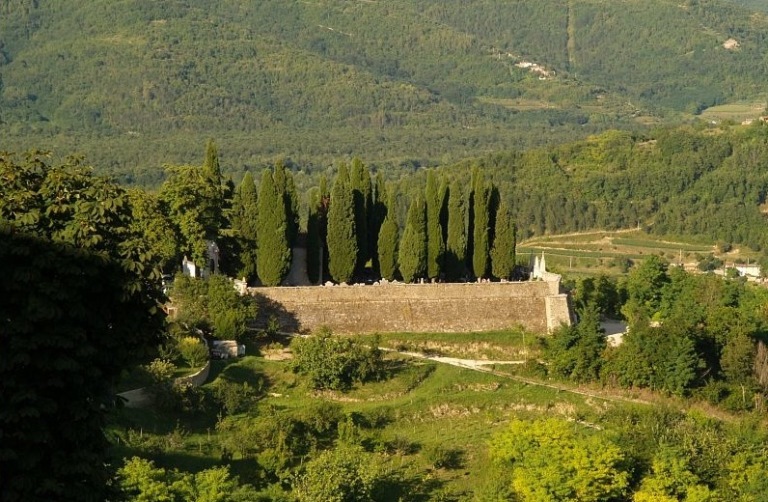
<point x="435" y="243"/>
<point x="245" y="214"/>
<point x="413" y="245"/>
<point x="480" y="228"/>
<point x="503" y="251"/>
<point x="212" y="207"/>
<point x="376" y="217"/>
<point x="387" y="243"/>
<point x="361" y="193"/>
<point x="342" y="238"/>
<point x="286" y="187"/>
<point x="456" y="242"/>
<point x="313" y="236"/>
<point x="273" y="258"/>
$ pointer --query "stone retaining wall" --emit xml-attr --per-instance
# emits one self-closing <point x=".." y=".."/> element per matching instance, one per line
<point x="138" y="398"/>
<point x="446" y="307"/>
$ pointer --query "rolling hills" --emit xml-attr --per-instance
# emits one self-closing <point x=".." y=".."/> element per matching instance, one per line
<point x="134" y="84"/>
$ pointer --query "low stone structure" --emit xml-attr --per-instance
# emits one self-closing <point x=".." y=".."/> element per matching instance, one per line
<point x="538" y="306"/>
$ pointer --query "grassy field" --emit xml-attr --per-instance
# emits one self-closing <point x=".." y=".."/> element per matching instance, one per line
<point x="608" y="252"/>
<point x="737" y="112"/>
<point x="420" y="407"/>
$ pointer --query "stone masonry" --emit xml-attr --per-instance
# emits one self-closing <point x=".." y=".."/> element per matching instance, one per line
<point x="446" y="307"/>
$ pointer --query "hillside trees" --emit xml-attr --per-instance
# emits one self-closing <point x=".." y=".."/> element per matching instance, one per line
<point x="588" y="467"/>
<point x="81" y="304"/>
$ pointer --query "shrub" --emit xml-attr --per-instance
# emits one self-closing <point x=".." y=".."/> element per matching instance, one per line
<point x="333" y="362"/>
<point x="193" y="351"/>
<point x="443" y="458"/>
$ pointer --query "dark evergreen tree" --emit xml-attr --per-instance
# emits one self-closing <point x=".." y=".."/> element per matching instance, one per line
<point x="342" y="238"/>
<point x="286" y="187"/>
<point x="412" y="255"/>
<point x="387" y="243"/>
<point x="378" y="212"/>
<point x="245" y="216"/>
<point x="503" y="250"/>
<point x="480" y="228"/>
<point x="316" y="230"/>
<point x="435" y="244"/>
<point x="361" y="194"/>
<point x="273" y="257"/>
<point x="456" y="243"/>
<point x="213" y="206"/>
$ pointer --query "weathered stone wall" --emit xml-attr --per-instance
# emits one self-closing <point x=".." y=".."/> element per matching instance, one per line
<point x="537" y="306"/>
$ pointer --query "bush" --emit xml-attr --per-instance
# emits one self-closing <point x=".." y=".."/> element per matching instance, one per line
<point x="236" y="398"/>
<point x="193" y="351"/>
<point x="443" y="458"/>
<point x="335" y="363"/>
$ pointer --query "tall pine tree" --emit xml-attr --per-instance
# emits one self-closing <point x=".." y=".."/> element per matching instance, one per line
<point x="480" y="236"/>
<point x="273" y="258"/>
<point x="413" y="245"/>
<point x="387" y="242"/>
<point x="435" y="244"/>
<point x="456" y="243"/>
<point x="342" y="237"/>
<point x="245" y="211"/>
<point x="503" y="250"/>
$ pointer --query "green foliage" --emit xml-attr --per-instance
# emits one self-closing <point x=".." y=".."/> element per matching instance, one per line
<point x="644" y="288"/>
<point x="213" y="304"/>
<point x="387" y="248"/>
<point x="140" y="481"/>
<point x="412" y="255"/>
<point x="193" y="351"/>
<point x="456" y="242"/>
<point x="155" y="227"/>
<point x="503" y="251"/>
<point x="435" y="244"/>
<point x="346" y="474"/>
<point x="274" y="254"/>
<point x="193" y="206"/>
<point x="360" y="180"/>
<point x="244" y="221"/>
<point x="336" y="362"/>
<point x="657" y="358"/>
<point x="81" y="296"/>
<point x="551" y="460"/>
<point x="481" y="225"/>
<point x="576" y="351"/>
<point x="342" y="233"/>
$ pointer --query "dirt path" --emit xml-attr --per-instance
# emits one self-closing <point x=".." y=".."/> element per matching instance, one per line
<point x="483" y="366"/>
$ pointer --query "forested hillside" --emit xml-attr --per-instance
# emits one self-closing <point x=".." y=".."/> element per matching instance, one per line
<point x="137" y="83"/>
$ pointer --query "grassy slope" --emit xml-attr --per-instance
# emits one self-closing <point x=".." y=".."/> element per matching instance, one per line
<point x="135" y="84"/>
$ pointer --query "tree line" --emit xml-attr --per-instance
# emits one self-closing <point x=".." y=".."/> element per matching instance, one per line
<point x="352" y="230"/>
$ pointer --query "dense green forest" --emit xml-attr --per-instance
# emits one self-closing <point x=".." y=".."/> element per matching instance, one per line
<point x="135" y="84"/>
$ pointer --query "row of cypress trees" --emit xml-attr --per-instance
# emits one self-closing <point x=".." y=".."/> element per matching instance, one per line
<point x="352" y="232"/>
